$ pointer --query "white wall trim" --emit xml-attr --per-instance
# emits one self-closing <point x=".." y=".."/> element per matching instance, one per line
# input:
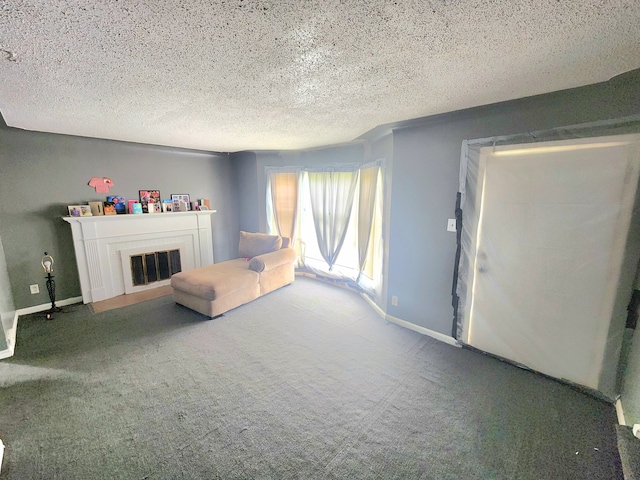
<point x="620" y="412"/>
<point x="1" y="453"/>
<point x="411" y="326"/>
<point x="374" y="305"/>
<point x="8" y="324"/>
<point x="425" y="331"/>
<point x="47" y="306"/>
<point x="11" y="333"/>
<point x="305" y="274"/>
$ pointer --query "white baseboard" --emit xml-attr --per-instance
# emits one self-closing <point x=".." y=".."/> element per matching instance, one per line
<point x="7" y="319"/>
<point x="620" y="412"/>
<point x="11" y="332"/>
<point x="374" y="305"/>
<point x="10" y="336"/>
<point x="298" y="273"/>
<point x="7" y="353"/>
<point x="411" y="326"/>
<point x="47" y="306"/>
<point x="425" y="331"/>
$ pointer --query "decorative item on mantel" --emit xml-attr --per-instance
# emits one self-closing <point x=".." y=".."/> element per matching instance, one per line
<point x="102" y="185"/>
<point x="47" y="265"/>
<point x="97" y="208"/>
<point x="181" y="202"/>
<point x="120" y="203"/>
<point x="148" y="199"/>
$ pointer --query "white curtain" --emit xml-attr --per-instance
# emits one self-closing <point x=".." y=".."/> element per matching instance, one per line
<point x="332" y="196"/>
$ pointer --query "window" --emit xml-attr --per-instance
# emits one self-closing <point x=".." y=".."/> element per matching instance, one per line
<point x="290" y="190"/>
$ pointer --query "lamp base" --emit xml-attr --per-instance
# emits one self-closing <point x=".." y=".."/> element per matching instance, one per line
<point x="51" y="288"/>
<point x="49" y="313"/>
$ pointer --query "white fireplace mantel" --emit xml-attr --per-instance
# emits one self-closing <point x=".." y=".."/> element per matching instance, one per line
<point x="101" y="241"/>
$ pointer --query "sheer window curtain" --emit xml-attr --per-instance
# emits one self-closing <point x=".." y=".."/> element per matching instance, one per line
<point x="331" y="204"/>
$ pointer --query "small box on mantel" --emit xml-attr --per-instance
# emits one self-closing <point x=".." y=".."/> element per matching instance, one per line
<point x="205" y="202"/>
<point x="96" y="208"/>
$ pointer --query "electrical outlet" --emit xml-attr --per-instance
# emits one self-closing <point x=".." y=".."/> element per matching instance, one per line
<point x="451" y="225"/>
<point x="34" y="288"/>
<point x="394" y="301"/>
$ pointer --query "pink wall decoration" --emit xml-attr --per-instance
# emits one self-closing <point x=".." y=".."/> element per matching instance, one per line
<point x="102" y="185"/>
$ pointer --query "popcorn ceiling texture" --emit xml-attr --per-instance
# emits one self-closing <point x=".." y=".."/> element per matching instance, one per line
<point x="284" y="74"/>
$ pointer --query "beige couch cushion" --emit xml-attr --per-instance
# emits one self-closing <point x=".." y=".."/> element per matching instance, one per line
<point x="235" y="263"/>
<point x="214" y="281"/>
<point x="260" y="263"/>
<point x="253" y="244"/>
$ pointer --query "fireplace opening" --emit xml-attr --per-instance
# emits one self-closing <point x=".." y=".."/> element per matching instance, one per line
<point x="147" y="268"/>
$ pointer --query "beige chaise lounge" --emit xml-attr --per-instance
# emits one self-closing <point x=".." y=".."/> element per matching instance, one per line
<point x="267" y="263"/>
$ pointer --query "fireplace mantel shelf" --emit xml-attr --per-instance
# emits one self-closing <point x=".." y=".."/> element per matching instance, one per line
<point x="103" y="245"/>
<point x="109" y="218"/>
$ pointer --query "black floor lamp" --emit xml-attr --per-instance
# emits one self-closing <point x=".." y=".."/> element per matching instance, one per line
<point x="47" y="265"/>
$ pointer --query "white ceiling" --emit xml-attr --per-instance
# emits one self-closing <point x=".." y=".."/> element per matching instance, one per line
<point x="229" y="75"/>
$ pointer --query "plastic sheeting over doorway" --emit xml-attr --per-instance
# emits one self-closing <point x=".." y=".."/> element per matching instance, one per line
<point x="548" y="249"/>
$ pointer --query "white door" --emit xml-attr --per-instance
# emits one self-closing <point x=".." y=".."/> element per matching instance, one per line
<point x="548" y="249"/>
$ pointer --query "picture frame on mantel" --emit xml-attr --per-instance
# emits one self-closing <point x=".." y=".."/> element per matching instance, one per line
<point x="177" y="197"/>
<point x="74" y="211"/>
<point x="79" y="211"/>
<point x="147" y="197"/>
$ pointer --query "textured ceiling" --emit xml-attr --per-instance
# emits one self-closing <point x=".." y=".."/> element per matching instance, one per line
<point x="284" y="74"/>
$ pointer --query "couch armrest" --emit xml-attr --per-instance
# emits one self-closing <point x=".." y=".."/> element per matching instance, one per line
<point x="267" y="261"/>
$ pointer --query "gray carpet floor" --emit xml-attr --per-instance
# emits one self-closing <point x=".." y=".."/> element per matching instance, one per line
<point x="307" y="382"/>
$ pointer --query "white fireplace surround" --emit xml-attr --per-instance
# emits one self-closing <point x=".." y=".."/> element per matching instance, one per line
<point x="101" y="244"/>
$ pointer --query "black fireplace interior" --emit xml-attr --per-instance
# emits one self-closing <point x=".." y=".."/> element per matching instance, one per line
<point x="151" y="267"/>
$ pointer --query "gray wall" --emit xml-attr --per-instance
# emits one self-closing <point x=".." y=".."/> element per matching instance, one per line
<point x="247" y="181"/>
<point x="6" y="297"/>
<point x="43" y="173"/>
